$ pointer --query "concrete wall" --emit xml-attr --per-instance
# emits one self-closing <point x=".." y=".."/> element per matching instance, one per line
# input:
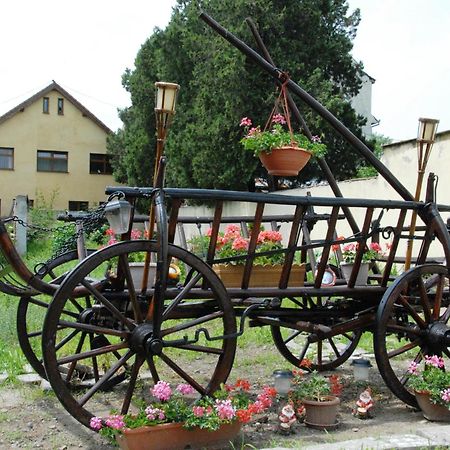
<point x="32" y="130"/>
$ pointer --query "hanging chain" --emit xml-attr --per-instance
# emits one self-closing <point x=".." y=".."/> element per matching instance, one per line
<point x="90" y="221"/>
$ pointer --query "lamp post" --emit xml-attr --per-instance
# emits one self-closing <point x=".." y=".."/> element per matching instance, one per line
<point x="425" y="140"/>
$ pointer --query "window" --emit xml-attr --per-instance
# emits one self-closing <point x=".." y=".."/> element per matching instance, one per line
<point x="46" y="105"/>
<point x="60" y="106"/>
<point x="6" y="158"/>
<point x="100" y="163"/>
<point x="78" y="205"/>
<point x="48" y="161"/>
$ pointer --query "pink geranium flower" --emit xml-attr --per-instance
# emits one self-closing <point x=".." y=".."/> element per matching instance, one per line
<point x="162" y="391"/>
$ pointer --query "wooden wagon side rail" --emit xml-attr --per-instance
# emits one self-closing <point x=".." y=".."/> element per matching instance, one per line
<point x="297" y="216"/>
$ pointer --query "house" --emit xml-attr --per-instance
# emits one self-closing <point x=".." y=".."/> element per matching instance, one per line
<point x="53" y="149"/>
<point x="362" y="104"/>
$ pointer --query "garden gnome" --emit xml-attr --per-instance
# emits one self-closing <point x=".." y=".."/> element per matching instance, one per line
<point x="364" y="404"/>
<point x="286" y="418"/>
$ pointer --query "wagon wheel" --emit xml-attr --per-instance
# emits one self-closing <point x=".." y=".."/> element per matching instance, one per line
<point x="324" y="353"/>
<point x="32" y="309"/>
<point x="197" y="307"/>
<point x="412" y="321"/>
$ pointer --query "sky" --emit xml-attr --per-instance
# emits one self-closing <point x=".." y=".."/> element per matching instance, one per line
<point x="85" y="46"/>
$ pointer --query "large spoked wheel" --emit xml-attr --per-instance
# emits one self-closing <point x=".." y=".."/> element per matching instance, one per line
<point x="32" y="309"/>
<point x="323" y="351"/>
<point x="196" y="343"/>
<point x="412" y="321"/>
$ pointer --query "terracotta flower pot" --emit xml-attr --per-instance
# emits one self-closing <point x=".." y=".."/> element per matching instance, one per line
<point x="435" y="413"/>
<point x="285" y="161"/>
<point x="321" y="415"/>
<point x="172" y="436"/>
<point x="261" y="276"/>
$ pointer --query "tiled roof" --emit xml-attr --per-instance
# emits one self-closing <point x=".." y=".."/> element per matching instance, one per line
<point x="55" y="87"/>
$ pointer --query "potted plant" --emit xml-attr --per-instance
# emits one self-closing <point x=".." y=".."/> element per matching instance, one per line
<point x="177" y="420"/>
<point x="318" y="396"/>
<point x="282" y="152"/>
<point x="432" y="388"/>
<point x="232" y="247"/>
<point x="349" y="253"/>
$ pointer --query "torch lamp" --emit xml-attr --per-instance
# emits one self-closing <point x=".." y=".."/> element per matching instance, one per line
<point x="425" y="140"/>
<point x="165" y="103"/>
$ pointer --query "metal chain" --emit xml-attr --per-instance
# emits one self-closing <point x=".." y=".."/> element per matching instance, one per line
<point x="90" y="222"/>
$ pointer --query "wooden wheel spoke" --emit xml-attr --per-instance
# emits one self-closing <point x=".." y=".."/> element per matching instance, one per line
<point x="112" y="309"/>
<point x="74" y="363"/>
<point x="152" y="368"/>
<point x="38" y="302"/>
<point x="192" y="323"/>
<point x="292" y="336"/>
<point x="104" y="379"/>
<point x="179" y="371"/>
<point x="424" y="300"/>
<point x="125" y="266"/>
<point x="139" y="360"/>
<point x="34" y="334"/>
<point x="94" y="360"/>
<point x="319" y="352"/>
<point x="76" y="304"/>
<point x="438" y="297"/>
<point x="66" y="339"/>
<point x="92" y="328"/>
<point x="200" y="348"/>
<point x="333" y="346"/>
<point x="92" y="353"/>
<point x="403" y="349"/>
<point x="192" y="282"/>
<point x="412" y="312"/>
<point x="303" y="352"/>
<point x="72" y="314"/>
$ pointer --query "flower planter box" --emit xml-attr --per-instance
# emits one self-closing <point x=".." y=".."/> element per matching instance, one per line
<point x="285" y="161"/>
<point x="137" y="273"/>
<point x="172" y="436"/>
<point x="363" y="273"/>
<point x="261" y="276"/>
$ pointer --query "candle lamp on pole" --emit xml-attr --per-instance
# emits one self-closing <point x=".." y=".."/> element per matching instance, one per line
<point x="165" y="104"/>
<point x="425" y="140"/>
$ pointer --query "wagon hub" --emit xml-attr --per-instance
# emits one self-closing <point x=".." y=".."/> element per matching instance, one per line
<point x="438" y="335"/>
<point x="143" y="342"/>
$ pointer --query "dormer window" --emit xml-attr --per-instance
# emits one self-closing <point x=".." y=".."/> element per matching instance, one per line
<point x="45" y="105"/>
<point x="60" y="106"/>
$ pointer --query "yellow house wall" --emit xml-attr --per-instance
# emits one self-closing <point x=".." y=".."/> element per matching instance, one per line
<point x="33" y="130"/>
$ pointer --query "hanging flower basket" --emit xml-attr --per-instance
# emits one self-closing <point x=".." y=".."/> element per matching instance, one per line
<point x="285" y="161"/>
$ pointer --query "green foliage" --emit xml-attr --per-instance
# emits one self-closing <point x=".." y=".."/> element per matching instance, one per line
<point x="41" y="216"/>
<point x="311" y="39"/>
<point x="313" y="386"/>
<point x="378" y="140"/>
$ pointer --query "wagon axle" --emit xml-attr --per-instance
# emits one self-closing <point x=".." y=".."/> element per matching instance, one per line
<point x="438" y="336"/>
<point x="143" y="342"/>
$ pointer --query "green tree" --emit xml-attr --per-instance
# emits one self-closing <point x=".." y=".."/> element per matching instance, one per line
<point x="377" y="142"/>
<point x="311" y="39"/>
